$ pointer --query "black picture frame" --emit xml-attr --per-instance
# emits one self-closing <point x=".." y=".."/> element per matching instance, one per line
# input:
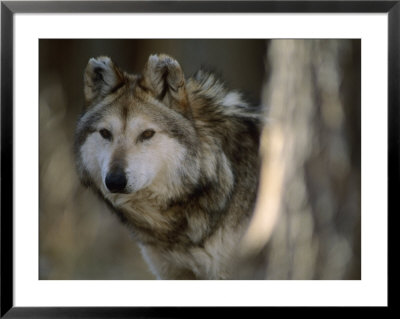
<point x="9" y="8"/>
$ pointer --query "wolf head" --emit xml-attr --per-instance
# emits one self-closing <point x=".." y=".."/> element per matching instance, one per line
<point x="136" y="131"/>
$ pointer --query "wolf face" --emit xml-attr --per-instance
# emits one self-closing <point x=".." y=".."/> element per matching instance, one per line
<point x="176" y="159"/>
<point x="128" y="138"/>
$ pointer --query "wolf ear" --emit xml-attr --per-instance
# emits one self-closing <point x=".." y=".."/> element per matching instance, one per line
<point x="101" y="77"/>
<point x="164" y="78"/>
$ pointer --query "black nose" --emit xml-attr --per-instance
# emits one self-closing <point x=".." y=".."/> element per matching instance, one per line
<point x="116" y="181"/>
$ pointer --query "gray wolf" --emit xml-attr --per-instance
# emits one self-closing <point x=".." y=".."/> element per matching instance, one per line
<point x="176" y="159"/>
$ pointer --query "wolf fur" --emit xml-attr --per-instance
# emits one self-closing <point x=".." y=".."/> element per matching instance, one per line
<point x="177" y="160"/>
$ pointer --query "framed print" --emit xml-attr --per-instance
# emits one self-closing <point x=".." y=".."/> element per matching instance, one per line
<point x="161" y="158"/>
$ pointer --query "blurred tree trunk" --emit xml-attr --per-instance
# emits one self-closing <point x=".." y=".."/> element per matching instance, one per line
<point x="308" y="210"/>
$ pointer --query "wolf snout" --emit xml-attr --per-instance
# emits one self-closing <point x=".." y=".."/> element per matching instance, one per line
<point x="116" y="181"/>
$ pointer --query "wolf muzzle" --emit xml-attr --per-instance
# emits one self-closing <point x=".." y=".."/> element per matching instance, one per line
<point x="116" y="180"/>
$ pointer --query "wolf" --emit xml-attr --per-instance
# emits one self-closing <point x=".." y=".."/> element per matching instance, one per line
<point x="176" y="159"/>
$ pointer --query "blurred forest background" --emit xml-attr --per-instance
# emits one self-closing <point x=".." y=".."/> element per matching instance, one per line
<point x="308" y="216"/>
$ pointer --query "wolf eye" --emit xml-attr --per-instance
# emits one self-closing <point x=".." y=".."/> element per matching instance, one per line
<point x="106" y="134"/>
<point x="147" y="134"/>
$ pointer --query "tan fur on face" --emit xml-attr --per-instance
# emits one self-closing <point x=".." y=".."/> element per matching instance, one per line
<point x="150" y="164"/>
